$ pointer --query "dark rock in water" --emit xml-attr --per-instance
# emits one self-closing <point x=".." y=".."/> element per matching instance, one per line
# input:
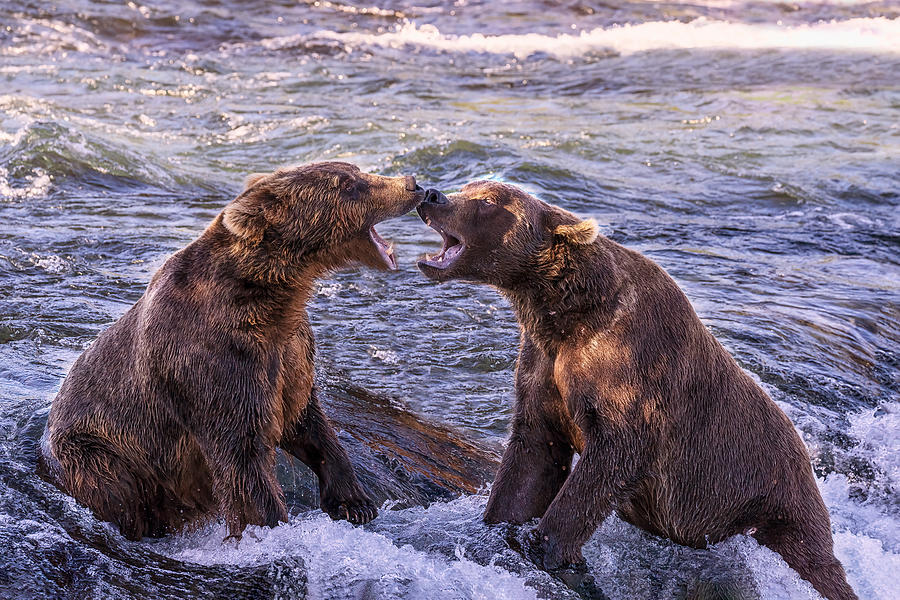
<point x="50" y="550"/>
<point x="397" y="455"/>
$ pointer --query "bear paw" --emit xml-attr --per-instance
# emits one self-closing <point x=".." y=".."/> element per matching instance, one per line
<point x="356" y="508"/>
<point x="545" y="551"/>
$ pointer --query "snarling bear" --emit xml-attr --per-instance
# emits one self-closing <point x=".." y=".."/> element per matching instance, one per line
<point x="614" y="364"/>
<point x="175" y="412"/>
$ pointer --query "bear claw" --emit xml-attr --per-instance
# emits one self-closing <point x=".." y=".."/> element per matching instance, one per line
<point x="358" y="512"/>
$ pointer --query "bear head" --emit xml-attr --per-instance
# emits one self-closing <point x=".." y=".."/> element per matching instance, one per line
<point x="322" y="213"/>
<point x="498" y="234"/>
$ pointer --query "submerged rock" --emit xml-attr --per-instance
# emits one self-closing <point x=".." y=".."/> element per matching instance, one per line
<point x="397" y="455"/>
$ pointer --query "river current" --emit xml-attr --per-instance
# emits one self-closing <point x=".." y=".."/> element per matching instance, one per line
<point x="750" y="148"/>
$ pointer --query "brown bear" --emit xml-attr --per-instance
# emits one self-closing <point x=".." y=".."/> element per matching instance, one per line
<point x="615" y="364"/>
<point x="175" y="412"/>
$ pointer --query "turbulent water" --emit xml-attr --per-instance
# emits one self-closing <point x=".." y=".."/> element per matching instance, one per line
<point x="752" y="149"/>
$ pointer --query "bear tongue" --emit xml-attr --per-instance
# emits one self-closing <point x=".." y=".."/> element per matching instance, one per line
<point x="385" y="250"/>
<point x="450" y="253"/>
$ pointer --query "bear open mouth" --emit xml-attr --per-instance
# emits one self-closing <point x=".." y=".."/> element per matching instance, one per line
<point x="451" y="250"/>
<point x="385" y="249"/>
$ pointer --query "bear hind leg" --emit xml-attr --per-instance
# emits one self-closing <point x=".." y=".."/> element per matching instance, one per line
<point x="809" y="552"/>
<point x="100" y="478"/>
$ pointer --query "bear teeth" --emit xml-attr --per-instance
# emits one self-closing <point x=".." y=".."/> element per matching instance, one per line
<point x="385" y="249"/>
<point x="452" y="248"/>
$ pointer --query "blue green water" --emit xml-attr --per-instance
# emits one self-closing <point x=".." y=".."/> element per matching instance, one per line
<point x="752" y="149"/>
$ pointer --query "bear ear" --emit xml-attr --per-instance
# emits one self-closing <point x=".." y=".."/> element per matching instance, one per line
<point x="253" y="179"/>
<point x="583" y="232"/>
<point x="244" y="215"/>
<point x="558" y="224"/>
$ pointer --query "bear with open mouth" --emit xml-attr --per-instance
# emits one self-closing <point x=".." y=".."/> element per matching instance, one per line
<point x="175" y="412"/>
<point x="615" y="364"/>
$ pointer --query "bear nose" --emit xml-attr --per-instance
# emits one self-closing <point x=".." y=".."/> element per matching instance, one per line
<point x="410" y="182"/>
<point x="432" y="195"/>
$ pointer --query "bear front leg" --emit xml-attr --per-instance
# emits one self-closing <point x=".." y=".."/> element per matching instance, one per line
<point x="313" y="441"/>
<point x="539" y="455"/>
<point x="243" y="472"/>
<point x="598" y="482"/>
<point x="534" y="467"/>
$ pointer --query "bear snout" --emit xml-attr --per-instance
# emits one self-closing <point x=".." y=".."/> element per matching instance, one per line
<point x="434" y="196"/>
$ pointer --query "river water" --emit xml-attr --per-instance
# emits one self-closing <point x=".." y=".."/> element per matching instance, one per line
<point x="752" y="149"/>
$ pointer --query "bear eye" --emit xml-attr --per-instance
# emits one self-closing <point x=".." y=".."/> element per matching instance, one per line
<point x="349" y="189"/>
<point x="486" y="201"/>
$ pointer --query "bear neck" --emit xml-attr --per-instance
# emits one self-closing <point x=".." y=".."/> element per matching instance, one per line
<point x="273" y="303"/>
<point x="275" y="270"/>
<point x="572" y="295"/>
<point x="274" y="287"/>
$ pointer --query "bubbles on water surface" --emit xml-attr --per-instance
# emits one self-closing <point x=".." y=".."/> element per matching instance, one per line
<point x="35" y="186"/>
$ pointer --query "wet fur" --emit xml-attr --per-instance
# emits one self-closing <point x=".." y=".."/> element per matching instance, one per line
<point x="173" y="415"/>
<point x="614" y="364"/>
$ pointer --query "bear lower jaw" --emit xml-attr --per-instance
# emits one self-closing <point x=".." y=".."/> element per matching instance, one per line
<point x="448" y="255"/>
<point x="450" y="251"/>
<point x="385" y="249"/>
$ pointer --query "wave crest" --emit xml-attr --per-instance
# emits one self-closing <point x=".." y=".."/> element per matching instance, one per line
<point x="46" y="152"/>
<point x="878" y="34"/>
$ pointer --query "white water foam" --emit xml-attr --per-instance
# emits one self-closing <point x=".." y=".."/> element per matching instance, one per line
<point x="344" y="561"/>
<point x="388" y="357"/>
<point x="870" y="34"/>
<point x="37" y="185"/>
<point x="867" y="531"/>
